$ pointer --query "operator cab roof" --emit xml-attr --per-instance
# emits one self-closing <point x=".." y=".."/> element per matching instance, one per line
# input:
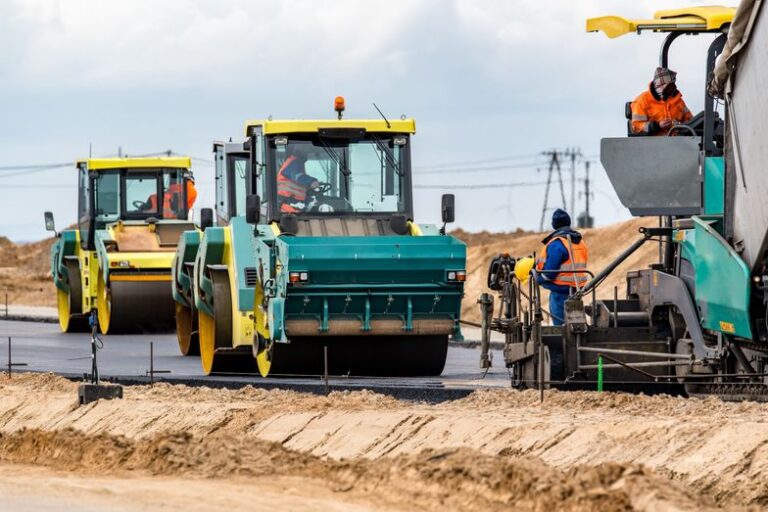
<point x="314" y="126"/>
<point x="173" y="162"/>
<point x="711" y="18"/>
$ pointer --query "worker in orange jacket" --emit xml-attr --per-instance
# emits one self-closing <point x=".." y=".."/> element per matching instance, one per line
<point x="293" y="181"/>
<point x="172" y="198"/>
<point x="660" y="107"/>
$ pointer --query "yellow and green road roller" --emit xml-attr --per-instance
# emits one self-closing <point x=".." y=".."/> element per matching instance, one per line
<point x="117" y="261"/>
<point x="316" y="260"/>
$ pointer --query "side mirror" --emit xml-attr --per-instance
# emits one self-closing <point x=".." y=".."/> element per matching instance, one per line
<point x="50" y="225"/>
<point x="206" y="218"/>
<point x="448" y="208"/>
<point x="252" y="209"/>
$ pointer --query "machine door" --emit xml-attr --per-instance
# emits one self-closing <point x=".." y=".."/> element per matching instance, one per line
<point x="83" y="205"/>
<point x="237" y="172"/>
<point x="222" y="198"/>
<point x="654" y="175"/>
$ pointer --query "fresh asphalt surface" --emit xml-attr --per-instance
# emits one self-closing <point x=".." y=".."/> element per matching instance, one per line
<point x="126" y="359"/>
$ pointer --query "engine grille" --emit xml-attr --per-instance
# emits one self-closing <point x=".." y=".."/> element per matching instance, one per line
<point x="251" y="276"/>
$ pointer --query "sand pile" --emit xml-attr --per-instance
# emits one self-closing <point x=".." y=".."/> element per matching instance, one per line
<point x="25" y="273"/>
<point x="452" y="479"/>
<point x="580" y="449"/>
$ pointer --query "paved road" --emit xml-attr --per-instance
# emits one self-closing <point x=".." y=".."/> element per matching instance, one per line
<point x="126" y="357"/>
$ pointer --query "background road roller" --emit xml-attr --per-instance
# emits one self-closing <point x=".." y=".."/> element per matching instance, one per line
<point x="131" y="212"/>
<point x="346" y="272"/>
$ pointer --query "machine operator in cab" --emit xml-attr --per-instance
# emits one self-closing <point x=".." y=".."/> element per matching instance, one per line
<point x="660" y="107"/>
<point x="172" y="197"/>
<point x="293" y="182"/>
<point x="565" y="251"/>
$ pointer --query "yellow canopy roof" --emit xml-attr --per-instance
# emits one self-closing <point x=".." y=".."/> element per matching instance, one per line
<point x="177" y="162"/>
<point x="311" y="126"/>
<point x="690" y="19"/>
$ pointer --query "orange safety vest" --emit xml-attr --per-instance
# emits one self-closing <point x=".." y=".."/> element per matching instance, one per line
<point x="646" y="108"/>
<point x="174" y="189"/>
<point x="287" y="187"/>
<point x="576" y="261"/>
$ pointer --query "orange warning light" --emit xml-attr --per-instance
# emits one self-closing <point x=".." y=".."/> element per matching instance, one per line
<point x="338" y="105"/>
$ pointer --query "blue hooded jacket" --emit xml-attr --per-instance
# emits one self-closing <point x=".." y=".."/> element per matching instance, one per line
<point x="557" y="253"/>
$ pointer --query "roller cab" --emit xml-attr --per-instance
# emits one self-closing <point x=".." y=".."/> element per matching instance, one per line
<point x="131" y="213"/>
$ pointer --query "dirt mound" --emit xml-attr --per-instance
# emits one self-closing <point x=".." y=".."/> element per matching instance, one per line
<point x="454" y="479"/>
<point x="604" y="243"/>
<point x="25" y="273"/>
<point x="714" y="448"/>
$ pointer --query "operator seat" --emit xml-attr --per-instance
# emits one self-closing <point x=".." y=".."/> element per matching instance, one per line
<point x="628" y="115"/>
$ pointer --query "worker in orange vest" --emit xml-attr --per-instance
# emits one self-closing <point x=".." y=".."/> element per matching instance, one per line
<point x="293" y="181"/>
<point x="660" y="107"/>
<point x="173" y="197"/>
<point x="566" y="252"/>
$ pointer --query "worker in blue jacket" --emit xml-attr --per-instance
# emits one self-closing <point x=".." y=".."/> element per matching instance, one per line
<point x="564" y="251"/>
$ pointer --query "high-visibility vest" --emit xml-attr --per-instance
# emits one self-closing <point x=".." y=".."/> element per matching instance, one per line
<point x="174" y="190"/>
<point x="646" y="108"/>
<point x="287" y="187"/>
<point x="577" y="260"/>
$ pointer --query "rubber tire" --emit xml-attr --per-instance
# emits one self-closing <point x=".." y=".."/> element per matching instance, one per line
<point x="186" y="330"/>
<point x="70" y="304"/>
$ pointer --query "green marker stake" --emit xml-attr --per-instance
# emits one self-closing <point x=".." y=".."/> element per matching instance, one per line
<point x="599" y="373"/>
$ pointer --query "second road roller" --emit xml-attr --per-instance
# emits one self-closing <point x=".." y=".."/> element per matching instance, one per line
<point x="316" y="263"/>
<point x="117" y="260"/>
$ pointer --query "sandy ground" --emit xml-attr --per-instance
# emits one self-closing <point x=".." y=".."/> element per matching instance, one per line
<point x="496" y="450"/>
<point x="24" y="488"/>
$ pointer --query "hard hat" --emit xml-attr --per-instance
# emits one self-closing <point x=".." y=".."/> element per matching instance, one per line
<point x="523" y="268"/>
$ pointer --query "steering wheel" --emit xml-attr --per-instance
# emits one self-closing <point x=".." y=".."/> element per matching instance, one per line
<point x="140" y="205"/>
<point x="671" y="131"/>
<point x="321" y="189"/>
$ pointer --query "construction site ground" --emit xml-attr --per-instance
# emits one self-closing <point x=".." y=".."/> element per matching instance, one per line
<point x="41" y="347"/>
<point x="458" y="442"/>
<point x="182" y="448"/>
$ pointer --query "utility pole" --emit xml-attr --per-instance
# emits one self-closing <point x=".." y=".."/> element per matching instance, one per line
<point x="574" y="153"/>
<point x="586" y="220"/>
<point x="554" y="166"/>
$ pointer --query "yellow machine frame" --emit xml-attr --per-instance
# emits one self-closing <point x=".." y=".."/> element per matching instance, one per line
<point x="690" y="19"/>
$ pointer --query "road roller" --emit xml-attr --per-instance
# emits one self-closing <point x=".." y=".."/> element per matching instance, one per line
<point x="316" y="265"/>
<point x="117" y="260"/>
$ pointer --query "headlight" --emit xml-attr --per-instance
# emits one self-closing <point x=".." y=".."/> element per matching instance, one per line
<point x="457" y="275"/>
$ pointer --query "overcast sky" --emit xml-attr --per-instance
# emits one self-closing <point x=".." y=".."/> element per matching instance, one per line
<point x="497" y="81"/>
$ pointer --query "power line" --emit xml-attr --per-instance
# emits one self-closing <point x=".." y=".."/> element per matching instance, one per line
<point x="36" y="185"/>
<point x="34" y="166"/>
<point x="474" y="162"/>
<point x="527" y="165"/>
<point x="28" y="172"/>
<point x="483" y="186"/>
